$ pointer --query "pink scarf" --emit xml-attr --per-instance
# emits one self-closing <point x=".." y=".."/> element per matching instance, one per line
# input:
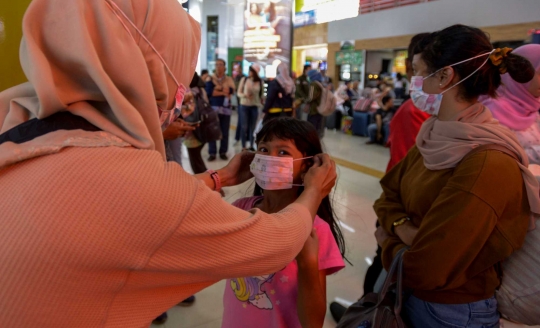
<point x="443" y="144"/>
<point x="515" y="107"/>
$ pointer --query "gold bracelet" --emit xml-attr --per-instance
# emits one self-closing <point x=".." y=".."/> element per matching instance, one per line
<point x="401" y="222"/>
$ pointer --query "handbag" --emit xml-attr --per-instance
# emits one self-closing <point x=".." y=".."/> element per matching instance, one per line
<point x="209" y="128"/>
<point x="362" y="104"/>
<point x="379" y="310"/>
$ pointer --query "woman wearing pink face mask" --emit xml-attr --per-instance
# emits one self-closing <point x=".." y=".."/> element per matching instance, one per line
<point x="460" y="212"/>
<point x="517" y="104"/>
<point x="98" y="230"/>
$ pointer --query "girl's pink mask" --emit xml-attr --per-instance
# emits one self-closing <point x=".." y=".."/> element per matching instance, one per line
<point x="274" y="173"/>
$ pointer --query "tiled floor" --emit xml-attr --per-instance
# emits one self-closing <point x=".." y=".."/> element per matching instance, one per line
<point x="354" y="196"/>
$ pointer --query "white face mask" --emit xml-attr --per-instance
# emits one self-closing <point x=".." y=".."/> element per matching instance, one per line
<point x="274" y="173"/>
<point x="166" y="117"/>
<point x="431" y="103"/>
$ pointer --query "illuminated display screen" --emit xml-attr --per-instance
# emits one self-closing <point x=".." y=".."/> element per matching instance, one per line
<point x="267" y="34"/>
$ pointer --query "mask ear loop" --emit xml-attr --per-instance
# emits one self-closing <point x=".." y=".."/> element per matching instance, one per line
<point x="461" y="62"/>
<point x="111" y="5"/>
<point x="299" y="159"/>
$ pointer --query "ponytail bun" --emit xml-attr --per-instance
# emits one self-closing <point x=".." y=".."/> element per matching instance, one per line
<point x="520" y="68"/>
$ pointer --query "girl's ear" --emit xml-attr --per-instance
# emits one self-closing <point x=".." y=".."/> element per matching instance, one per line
<point x="306" y="164"/>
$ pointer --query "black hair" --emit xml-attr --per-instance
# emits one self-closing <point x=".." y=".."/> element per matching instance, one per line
<point x="413" y="45"/>
<point x="305" y="138"/>
<point x="222" y="60"/>
<point x="307" y="67"/>
<point x="195" y="81"/>
<point x="460" y="42"/>
<point x="256" y="78"/>
<point x="204" y="71"/>
<point x="399" y="76"/>
<point x="385" y="99"/>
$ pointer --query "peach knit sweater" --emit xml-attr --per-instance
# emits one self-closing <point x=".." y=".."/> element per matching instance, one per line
<point x="112" y="237"/>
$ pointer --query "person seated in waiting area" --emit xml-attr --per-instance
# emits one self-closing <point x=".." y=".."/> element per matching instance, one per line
<point x="381" y="119"/>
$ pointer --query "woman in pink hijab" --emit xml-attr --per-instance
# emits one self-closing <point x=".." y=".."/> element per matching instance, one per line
<point x="98" y="230"/>
<point x="517" y="105"/>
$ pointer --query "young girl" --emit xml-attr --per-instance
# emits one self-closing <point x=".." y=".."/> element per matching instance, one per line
<point x="296" y="295"/>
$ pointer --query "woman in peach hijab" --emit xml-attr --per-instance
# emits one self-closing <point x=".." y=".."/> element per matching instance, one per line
<point x="97" y="229"/>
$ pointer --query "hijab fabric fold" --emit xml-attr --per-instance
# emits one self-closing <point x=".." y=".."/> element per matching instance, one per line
<point x="443" y="144"/>
<point x="515" y="107"/>
<point x="79" y="57"/>
<point x="284" y="79"/>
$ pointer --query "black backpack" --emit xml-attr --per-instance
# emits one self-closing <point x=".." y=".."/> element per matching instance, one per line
<point x="209" y="128"/>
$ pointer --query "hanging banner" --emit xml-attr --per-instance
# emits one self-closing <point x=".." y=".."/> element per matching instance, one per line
<point x="267" y="34"/>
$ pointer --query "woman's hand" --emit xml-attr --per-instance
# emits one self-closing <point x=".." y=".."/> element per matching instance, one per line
<point x="321" y="176"/>
<point x="237" y="171"/>
<point x="406" y="232"/>
<point x="309" y="255"/>
<point x="177" y="129"/>
<point x="381" y="235"/>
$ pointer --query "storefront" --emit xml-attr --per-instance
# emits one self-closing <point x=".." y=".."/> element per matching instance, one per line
<point x="350" y="64"/>
<point x="314" y="55"/>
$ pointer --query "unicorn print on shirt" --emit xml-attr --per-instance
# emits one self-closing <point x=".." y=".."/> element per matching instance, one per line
<point x="250" y="290"/>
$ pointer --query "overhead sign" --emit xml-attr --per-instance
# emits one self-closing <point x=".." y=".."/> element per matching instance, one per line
<point x="349" y="57"/>
<point x="267" y="33"/>
<point x="322" y="11"/>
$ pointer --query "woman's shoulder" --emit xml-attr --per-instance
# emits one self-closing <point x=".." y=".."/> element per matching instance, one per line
<point x="487" y="171"/>
<point x="247" y="203"/>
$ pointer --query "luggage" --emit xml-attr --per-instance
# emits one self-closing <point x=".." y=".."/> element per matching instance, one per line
<point x="360" y="123"/>
<point x="362" y="104"/>
<point x="346" y="125"/>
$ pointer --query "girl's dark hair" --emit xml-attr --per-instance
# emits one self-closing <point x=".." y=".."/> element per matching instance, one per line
<point x="460" y="42"/>
<point x="256" y="78"/>
<point x="305" y="138"/>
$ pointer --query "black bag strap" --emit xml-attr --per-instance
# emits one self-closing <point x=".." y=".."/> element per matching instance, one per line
<point x="35" y="128"/>
<point x="399" y="287"/>
<point x="397" y="262"/>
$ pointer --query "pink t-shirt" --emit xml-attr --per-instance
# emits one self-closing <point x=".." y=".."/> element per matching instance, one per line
<point x="270" y="300"/>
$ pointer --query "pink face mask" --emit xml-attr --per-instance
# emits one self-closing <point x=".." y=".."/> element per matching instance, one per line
<point x="274" y="173"/>
<point x="166" y="117"/>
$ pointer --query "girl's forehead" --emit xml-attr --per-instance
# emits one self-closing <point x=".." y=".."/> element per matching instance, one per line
<point x="279" y="142"/>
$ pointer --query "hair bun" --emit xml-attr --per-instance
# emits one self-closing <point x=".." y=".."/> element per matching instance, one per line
<point x="520" y="68"/>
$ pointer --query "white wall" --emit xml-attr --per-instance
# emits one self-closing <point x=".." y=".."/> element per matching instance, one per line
<point x="195" y="10"/>
<point x="214" y="8"/>
<point x="432" y="16"/>
<point x="231" y="26"/>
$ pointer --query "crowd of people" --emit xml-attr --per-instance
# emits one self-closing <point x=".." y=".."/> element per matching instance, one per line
<point x="101" y="227"/>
